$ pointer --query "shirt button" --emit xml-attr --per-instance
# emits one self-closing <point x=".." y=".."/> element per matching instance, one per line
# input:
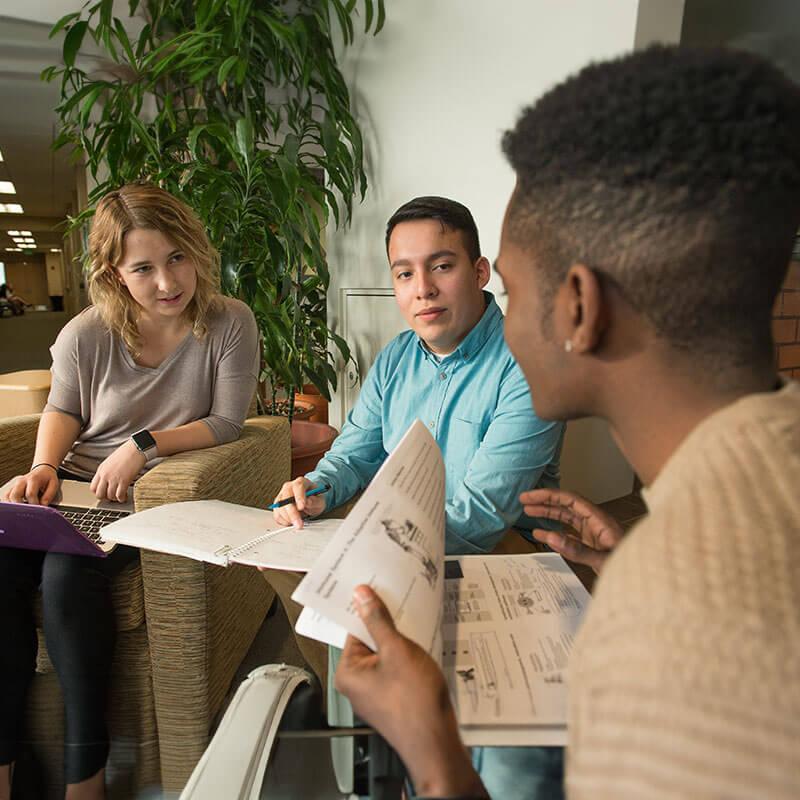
<point x="442" y="375"/>
<point x="430" y="424"/>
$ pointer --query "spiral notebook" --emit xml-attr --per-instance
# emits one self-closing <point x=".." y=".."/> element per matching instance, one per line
<point x="224" y="533"/>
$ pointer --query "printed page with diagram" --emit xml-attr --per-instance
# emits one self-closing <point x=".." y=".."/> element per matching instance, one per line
<point x="393" y="540"/>
<point x="508" y="628"/>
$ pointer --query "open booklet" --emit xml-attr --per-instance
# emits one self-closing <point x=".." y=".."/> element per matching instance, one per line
<point x="223" y="533"/>
<point x="501" y="627"/>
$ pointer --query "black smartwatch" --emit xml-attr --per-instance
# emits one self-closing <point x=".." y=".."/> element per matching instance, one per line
<point x="145" y="443"/>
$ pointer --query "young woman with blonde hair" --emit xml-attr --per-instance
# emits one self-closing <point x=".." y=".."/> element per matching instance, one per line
<point x="160" y="363"/>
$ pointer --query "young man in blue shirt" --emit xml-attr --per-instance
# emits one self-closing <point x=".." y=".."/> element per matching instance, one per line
<point x="453" y="371"/>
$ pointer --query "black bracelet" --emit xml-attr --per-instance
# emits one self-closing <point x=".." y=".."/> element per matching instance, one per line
<point x="44" y="464"/>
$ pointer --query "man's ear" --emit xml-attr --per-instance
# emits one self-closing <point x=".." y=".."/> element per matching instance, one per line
<point x="483" y="271"/>
<point x="585" y="307"/>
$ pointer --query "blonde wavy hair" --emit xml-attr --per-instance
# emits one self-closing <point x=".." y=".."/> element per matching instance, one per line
<point x="142" y="205"/>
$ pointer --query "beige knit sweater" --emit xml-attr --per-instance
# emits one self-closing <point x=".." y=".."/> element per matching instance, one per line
<point x="685" y="680"/>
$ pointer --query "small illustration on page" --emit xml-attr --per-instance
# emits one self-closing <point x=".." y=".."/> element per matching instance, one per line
<point x="533" y="590"/>
<point x="475" y="666"/>
<point x="465" y="603"/>
<point x="409" y="537"/>
<point x="468" y="684"/>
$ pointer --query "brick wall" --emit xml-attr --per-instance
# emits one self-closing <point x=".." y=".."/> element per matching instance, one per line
<point x="786" y="324"/>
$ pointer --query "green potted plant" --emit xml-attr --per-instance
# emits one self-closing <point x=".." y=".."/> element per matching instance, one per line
<point x="238" y="107"/>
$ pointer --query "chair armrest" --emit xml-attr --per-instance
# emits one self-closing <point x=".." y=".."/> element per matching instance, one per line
<point x="17" y="443"/>
<point x="249" y="471"/>
<point x="201" y="619"/>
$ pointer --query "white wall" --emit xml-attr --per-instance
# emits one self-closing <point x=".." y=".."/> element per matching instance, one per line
<point x="47" y="11"/>
<point x="433" y="92"/>
<point x="659" y="21"/>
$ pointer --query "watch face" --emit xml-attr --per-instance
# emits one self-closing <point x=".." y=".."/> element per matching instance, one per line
<point x="144" y="440"/>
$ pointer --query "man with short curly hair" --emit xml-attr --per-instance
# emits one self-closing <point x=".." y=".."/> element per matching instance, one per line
<point x="650" y="230"/>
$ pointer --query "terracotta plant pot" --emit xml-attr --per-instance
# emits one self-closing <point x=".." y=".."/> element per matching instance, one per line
<point x="310" y="441"/>
<point x="301" y="410"/>
<point x="311" y="396"/>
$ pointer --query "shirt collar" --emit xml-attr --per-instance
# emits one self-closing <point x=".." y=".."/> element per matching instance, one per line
<point x="480" y="333"/>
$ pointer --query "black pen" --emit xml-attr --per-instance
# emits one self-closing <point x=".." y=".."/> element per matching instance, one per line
<point x="289" y="500"/>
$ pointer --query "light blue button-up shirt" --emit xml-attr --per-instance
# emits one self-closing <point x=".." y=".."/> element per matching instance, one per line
<point x="477" y="405"/>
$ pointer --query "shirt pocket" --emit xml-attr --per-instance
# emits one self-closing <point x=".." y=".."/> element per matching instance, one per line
<point x="463" y="440"/>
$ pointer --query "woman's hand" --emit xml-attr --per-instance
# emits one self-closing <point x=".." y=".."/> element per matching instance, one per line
<point x="118" y="472"/>
<point x="598" y="533"/>
<point x="37" y="487"/>
<point x="292" y="514"/>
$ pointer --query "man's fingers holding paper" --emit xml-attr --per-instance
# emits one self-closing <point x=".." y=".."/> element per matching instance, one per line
<point x="374" y="615"/>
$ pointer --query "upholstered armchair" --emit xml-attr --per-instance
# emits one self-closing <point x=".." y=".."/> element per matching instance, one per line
<point x="183" y="626"/>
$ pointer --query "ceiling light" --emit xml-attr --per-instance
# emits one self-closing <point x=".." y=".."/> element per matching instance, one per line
<point x="14" y="249"/>
<point x="1" y="155"/>
<point x="11" y="208"/>
<point x="25" y="233"/>
<point x="13" y="233"/>
<point x="7" y="187"/>
<point x="54" y="250"/>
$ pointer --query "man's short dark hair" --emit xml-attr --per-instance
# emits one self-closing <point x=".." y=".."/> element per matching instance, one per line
<point x="675" y="173"/>
<point x="448" y="213"/>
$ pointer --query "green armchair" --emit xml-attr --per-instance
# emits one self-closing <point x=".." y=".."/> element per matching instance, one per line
<point x="183" y="626"/>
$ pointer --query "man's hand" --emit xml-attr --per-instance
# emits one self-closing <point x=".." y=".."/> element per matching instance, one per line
<point x="38" y="487"/>
<point x="118" y="472"/>
<point x="402" y="693"/>
<point x="292" y="514"/>
<point x="597" y="532"/>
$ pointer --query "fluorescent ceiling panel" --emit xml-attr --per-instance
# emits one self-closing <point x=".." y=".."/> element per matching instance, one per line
<point x="7" y="187"/>
<point x="11" y="208"/>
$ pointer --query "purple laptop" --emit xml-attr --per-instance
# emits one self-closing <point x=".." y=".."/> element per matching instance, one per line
<point x="72" y="524"/>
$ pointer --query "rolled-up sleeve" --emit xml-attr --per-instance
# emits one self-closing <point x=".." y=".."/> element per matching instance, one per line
<point x="358" y="452"/>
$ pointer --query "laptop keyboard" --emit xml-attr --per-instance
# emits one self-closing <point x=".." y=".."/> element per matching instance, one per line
<point x="89" y="520"/>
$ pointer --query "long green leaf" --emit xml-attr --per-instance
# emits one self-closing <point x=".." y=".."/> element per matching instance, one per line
<point x="225" y="67"/>
<point x="244" y="138"/>
<point x="73" y="41"/>
<point x="67" y="18"/>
